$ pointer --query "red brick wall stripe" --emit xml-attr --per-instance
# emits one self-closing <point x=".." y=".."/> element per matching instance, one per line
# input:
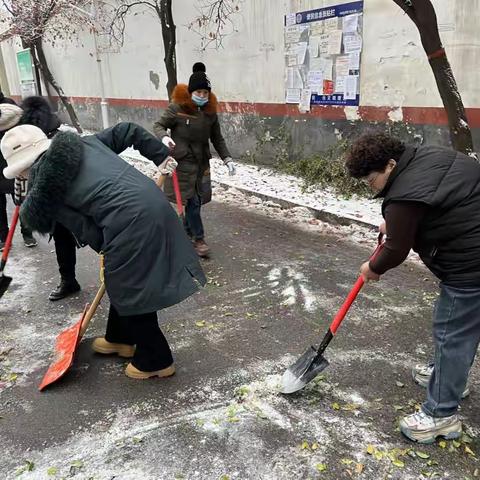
<point x="414" y="115"/>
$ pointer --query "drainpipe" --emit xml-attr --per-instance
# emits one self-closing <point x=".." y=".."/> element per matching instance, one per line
<point x="103" y="100"/>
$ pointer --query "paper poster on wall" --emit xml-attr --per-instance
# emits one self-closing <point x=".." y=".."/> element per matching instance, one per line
<point x="354" y="61"/>
<point x="351" y="82"/>
<point x="294" y="78"/>
<point x="352" y="42"/>
<point x="323" y="55"/>
<point x="305" y="98"/>
<point x="328" y="69"/>
<point x="290" y="19"/>
<point x="317" y="28"/>
<point x="350" y="23"/>
<point x="315" y="80"/>
<point x="342" y="65"/>
<point x="292" y="34"/>
<point x="340" y="84"/>
<point x="335" y="42"/>
<point x="301" y="52"/>
<point x="331" y="24"/>
<point x="313" y="47"/>
<point x="292" y="95"/>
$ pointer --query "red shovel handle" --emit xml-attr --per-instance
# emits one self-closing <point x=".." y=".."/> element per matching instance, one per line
<point x="8" y="243"/>
<point x="178" y="195"/>
<point x="353" y="293"/>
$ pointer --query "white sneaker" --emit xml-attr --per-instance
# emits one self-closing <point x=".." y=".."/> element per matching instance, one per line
<point x="423" y="428"/>
<point x="421" y="375"/>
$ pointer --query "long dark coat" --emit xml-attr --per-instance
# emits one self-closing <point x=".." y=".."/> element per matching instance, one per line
<point x="191" y="128"/>
<point x="81" y="182"/>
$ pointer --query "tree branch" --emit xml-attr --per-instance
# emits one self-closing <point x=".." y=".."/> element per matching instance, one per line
<point x="212" y="21"/>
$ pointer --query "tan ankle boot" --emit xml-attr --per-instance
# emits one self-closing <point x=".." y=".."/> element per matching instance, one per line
<point x="100" y="345"/>
<point x="134" y="372"/>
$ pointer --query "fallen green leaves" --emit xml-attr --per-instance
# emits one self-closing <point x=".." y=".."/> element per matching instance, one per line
<point x="397" y="455"/>
<point x="307" y="446"/>
<point x="469" y="451"/>
<point x="422" y="455"/>
<point x="348" y="407"/>
<point x="52" y="471"/>
<point x="28" y="467"/>
<point x="242" y="392"/>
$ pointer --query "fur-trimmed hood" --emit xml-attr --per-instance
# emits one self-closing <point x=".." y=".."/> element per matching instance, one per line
<point x="37" y="111"/>
<point x="181" y="96"/>
<point x="50" y="180"/>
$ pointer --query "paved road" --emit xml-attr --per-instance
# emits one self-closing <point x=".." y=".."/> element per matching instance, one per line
<point x="273" y="288"/>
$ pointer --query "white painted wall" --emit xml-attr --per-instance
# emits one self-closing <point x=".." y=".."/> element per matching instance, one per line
<point x="250" y="68"/>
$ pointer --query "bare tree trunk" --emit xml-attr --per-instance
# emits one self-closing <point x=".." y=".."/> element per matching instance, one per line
<point x="169" y="42"/>
<point x="49" y="78"/>
<point x="422" y="13"/>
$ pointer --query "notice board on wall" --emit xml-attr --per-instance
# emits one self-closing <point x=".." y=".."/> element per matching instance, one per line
<point x="322" y="56"/>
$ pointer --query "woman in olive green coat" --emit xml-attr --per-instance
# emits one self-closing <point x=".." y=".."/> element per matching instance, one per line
<point x="192" y="121"/>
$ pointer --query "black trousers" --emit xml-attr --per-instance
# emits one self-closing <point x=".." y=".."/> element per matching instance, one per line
<point x="65" y="249"/>
<point x="4" y="219"/>
<point x="152" y="351"/>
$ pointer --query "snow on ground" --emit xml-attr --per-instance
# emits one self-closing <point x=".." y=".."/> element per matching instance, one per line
<point x="250" y="183"/>
<point x="276" y="185"/>
<point x="252" y="428"/>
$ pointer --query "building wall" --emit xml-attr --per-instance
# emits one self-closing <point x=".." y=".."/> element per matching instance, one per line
<point x="397" y="85"/>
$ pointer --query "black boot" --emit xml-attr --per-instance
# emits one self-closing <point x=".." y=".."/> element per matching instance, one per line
<point x="67" y="287"/>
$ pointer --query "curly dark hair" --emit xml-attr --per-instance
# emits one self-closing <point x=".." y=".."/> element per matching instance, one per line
<point x="371" y="153"/>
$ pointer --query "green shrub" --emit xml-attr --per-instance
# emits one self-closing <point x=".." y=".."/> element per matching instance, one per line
<point x="327" y="170"/>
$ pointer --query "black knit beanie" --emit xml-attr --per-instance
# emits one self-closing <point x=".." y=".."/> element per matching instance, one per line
<point x="198" y="79"/>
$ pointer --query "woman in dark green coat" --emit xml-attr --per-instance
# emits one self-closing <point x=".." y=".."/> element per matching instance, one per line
<point x="186" y="127"/>
<point x="108" y="204"/>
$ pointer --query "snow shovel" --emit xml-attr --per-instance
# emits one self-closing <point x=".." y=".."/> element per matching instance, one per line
<point x="68" y="340"/>
<point x="312" y="362"/>
<point x="176" y="187"/>
<point x="178" y="195"/>
<point x="4" y="280"/>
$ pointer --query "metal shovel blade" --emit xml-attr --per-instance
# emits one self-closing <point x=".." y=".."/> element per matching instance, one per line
<point x="4" y="283"/>
<point x="303" y="371"/>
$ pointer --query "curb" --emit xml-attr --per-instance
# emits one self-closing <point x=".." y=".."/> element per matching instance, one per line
<point x="322" y="215"/>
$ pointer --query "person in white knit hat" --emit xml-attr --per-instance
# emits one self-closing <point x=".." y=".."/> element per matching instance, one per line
<point x="10" y="115"/>
<point x="150" y="263"/>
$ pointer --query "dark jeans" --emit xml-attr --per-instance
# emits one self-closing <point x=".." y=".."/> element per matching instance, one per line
<point x="456" y="335"/>
<point x="152" y="351"/>
<point x="65" y="249"/>
<point x="4" y="220"/>
<point x="193" y="220"/>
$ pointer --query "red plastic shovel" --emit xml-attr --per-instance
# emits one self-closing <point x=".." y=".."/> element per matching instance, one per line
<point x="68" y="340"/>
<point x="312" y="362"/>
<point x="178" y="195"/>
<point x="4" y="280"/>
<point x="176" y="189"/>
